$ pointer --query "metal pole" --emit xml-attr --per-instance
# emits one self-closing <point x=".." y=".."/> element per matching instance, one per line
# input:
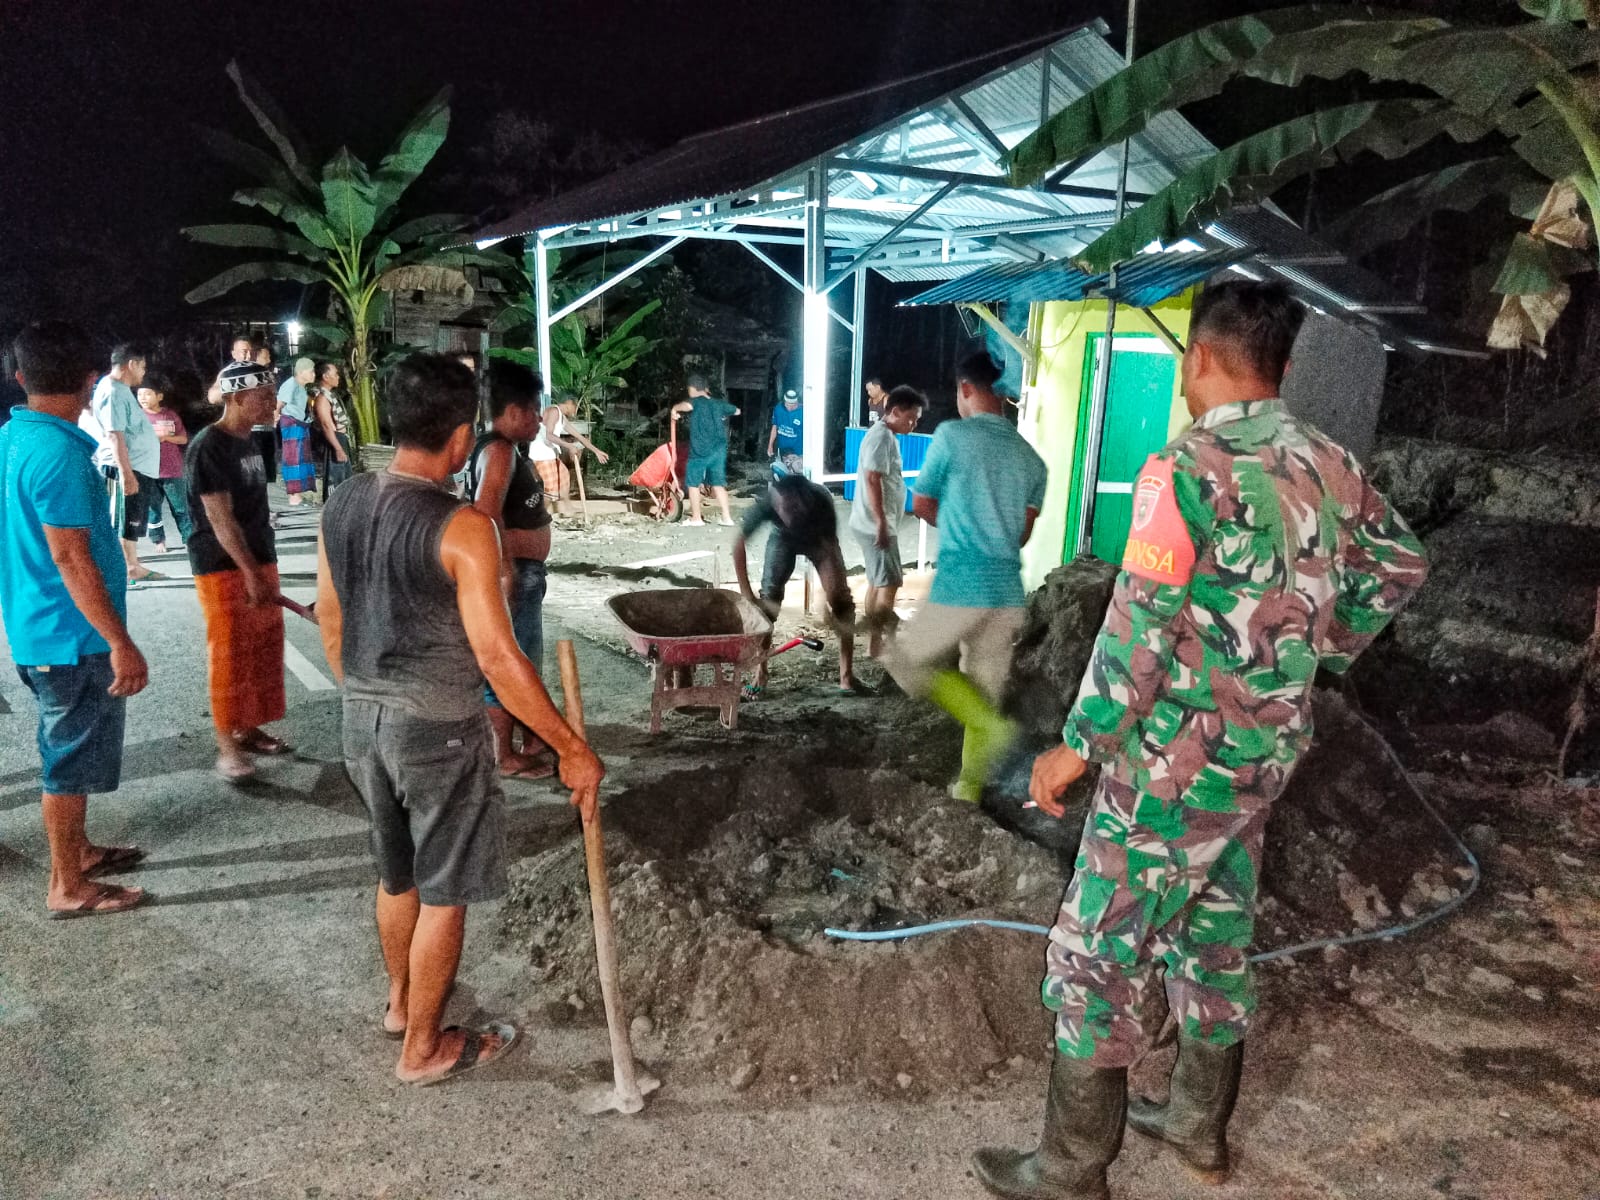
<point x="541" y="279"/>
<point x="857" y="343"/>
<point x="1083" y="536"/>
<point x="814" y="358"/>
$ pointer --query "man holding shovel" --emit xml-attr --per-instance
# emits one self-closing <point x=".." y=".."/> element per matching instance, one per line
<point x="1258" y="551"/>
<point x="413" y="618"/>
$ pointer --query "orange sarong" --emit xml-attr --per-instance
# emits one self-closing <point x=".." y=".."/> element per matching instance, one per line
<point x="244" y="651"/>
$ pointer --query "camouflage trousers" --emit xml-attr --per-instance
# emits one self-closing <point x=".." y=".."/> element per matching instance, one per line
<point x="1158" y="884"/>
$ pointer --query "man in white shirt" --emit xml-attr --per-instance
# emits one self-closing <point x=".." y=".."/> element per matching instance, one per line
<point x="129" y="453"/>
<point x="880" y="502"/>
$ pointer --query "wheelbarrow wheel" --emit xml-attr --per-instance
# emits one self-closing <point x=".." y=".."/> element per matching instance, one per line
<point x="670" y="506"/>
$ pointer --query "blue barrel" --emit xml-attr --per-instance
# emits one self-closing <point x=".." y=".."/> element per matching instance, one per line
<point x="913" y="449"/>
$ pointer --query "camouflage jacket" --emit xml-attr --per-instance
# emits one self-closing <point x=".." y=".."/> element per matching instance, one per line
<point x="1258" y="551"/>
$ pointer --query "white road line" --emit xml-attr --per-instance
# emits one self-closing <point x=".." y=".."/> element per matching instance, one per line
<point x="668" y="560"/>
<point x="304" y="671"/>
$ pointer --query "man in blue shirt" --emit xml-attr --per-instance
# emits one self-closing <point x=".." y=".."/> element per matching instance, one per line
<point x="63" y="585"/>
<point x="786" y="442"/>
<point x="983" y="486"/>
<point x="708" y="446"/>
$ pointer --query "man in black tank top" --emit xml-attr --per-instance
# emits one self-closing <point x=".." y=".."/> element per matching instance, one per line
<point x="504" y="487"/>
<point x="413" y="617"/>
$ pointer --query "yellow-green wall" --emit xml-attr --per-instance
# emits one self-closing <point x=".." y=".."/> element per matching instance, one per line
<point x="1049" y="418"/>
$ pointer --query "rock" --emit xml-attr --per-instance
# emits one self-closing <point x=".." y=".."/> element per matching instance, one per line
<point x="1481" y="839"/>
<point x="903" y="1080"/>
<point x="745" y="1076"/>
<point x="575" y="1002"/>
<point x="1536" y="994"/>
<point x="1484" y="980"/>
<point x="641" y="1027"/>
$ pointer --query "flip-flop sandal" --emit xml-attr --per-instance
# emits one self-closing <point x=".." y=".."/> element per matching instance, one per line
<point x="753" y="692"/>
<point x="116" y="859"/>
<point x="538" y="769"/>
<point x="470" y="1057"/>
<point x="264" y="743"/>
<point x="394" y="1035"/>
<point x="860" y="689"/>
<point x="150" y="577"/>
<point x="96" y="905"/>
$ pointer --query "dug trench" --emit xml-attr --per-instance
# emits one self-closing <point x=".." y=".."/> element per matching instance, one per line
<point x="731" y="854"/>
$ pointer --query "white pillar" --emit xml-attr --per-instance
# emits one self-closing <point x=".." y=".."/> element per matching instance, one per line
<point x="857" y="346"/>
<point x="814" y="357"/>
<point x="541" y="280"/>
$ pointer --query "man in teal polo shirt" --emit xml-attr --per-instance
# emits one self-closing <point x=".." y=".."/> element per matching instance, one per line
<point x="982" y="485"/>
<point x="63" y="585"/>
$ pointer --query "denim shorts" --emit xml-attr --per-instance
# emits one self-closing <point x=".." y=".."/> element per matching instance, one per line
<point x="432" y="789"/>
<point x="527" y="616"/>
<point x="80" y="725"/>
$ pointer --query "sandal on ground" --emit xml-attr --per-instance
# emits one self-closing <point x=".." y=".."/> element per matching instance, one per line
<point x="106" y="899"/>
<point x="115" y="859"/>
<point x="148" y="576"/>
<point x="753" y="691"/>
<point x="858" y="689"/>
<point x="531" y="768"/>
<point x="394" y="1035"/>
<point x="234" y="772"/>
<point x="472" y="1055"/>
<point x="257" y="742"/>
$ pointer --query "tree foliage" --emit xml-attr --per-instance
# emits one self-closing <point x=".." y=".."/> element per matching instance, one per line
<point x="338" y="225"/>
<point x="1525" y="93"/>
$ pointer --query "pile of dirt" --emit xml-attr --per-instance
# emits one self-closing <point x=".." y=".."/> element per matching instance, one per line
<point x="723" y="880"/>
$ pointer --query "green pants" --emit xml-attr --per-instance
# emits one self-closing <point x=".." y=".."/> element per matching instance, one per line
<point x="1158" y="883"/>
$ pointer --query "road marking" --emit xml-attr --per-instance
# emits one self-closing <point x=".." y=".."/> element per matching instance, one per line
<point x="668" y="560"/>
<point x="304" y="671"/>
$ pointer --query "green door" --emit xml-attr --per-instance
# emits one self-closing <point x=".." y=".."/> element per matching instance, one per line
<point x="1138" y="411"/>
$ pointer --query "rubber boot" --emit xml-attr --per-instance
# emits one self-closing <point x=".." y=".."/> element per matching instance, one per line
<point x="988" y="734"/>
<point x="1083" y="1117"/>
<point x="1194" y="1120"/>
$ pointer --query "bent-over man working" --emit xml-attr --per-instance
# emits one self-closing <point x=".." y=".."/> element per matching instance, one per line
<point x="803" y="524"/>
<point x="1258" y="552"/>
<point x="413" y="617"/>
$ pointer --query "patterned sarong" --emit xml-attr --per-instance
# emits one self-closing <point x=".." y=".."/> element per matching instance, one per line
<point x="299" y="467"/>
<point x="244" y="651"/>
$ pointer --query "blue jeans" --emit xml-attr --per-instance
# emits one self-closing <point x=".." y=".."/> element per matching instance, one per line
<point x="172" y="491"/>
<point x="527" y="616"/>
<point x="80" y="725"/>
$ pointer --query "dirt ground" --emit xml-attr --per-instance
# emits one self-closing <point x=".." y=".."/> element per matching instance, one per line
<point x="221" y="1044"/>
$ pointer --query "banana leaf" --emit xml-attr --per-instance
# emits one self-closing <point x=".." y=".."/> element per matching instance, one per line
<point x="1461" y="187"/>
<point x="1281" y="46"/>
<point x="331" y="332"/>
<point x="1534" y="267"/>
<point x="274" y="124"/>
<point x="347" y="196"/>
<point x="1253" y="169"/>
<point x="246" y="157"/>
<point x="429" y="226"/>
<point x="259" y="237"/>
<point x="1560" y="10"/>
<point x="311" y="222"/>
<point x="412" y="152"/>
<point x="253" y="272"/>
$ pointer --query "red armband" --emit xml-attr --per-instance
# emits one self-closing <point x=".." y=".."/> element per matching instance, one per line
<point x="1159" y="547"/>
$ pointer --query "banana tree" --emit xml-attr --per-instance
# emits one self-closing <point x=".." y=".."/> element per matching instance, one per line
<point x="339" y="225"/>
<point x="590" y="372"/>
<point x="1526" y="90"/>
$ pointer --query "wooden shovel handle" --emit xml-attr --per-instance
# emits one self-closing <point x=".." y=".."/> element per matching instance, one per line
<point x="605" y="948"/>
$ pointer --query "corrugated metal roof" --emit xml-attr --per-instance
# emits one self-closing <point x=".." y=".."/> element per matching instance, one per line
<point x="1141" y="282"/>
<point x="743" y="156"/>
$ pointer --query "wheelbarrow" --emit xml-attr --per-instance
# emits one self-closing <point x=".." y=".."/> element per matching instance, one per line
<point x="660" y="475"/>
<point x="680" y="630"/>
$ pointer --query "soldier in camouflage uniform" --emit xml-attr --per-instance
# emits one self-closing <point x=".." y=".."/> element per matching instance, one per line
<point x="1258" y="552"/>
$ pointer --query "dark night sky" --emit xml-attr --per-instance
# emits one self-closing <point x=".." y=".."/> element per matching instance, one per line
<point x="97" y="100"/>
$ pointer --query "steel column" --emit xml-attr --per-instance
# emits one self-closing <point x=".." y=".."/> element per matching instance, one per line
<point x="1083" y="536"/>
<point x="541" y="291"/>
<point x="857" y="342"/>
<point x="814" y="358"/>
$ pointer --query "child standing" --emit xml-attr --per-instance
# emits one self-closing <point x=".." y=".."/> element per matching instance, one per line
<point x="173" y="436"/>
<point x="708" y="447"/>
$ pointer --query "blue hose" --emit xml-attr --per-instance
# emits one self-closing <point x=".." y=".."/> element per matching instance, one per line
<point x="1378" y="935"/>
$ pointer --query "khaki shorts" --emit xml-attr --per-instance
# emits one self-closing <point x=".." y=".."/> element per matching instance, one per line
<point x="884" y="567"/>
<point x="976" y="641"/>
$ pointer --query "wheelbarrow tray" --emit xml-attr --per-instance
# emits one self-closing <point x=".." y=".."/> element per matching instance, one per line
<point x="679" y="629"/>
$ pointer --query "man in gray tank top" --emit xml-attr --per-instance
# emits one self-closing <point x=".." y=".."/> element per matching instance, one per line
<point x="413" y="618"/>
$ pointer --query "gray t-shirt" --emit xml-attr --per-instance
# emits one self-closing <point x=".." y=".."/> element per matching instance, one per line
<point x="117" y="411"/>
<point x="880" y="451"/>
